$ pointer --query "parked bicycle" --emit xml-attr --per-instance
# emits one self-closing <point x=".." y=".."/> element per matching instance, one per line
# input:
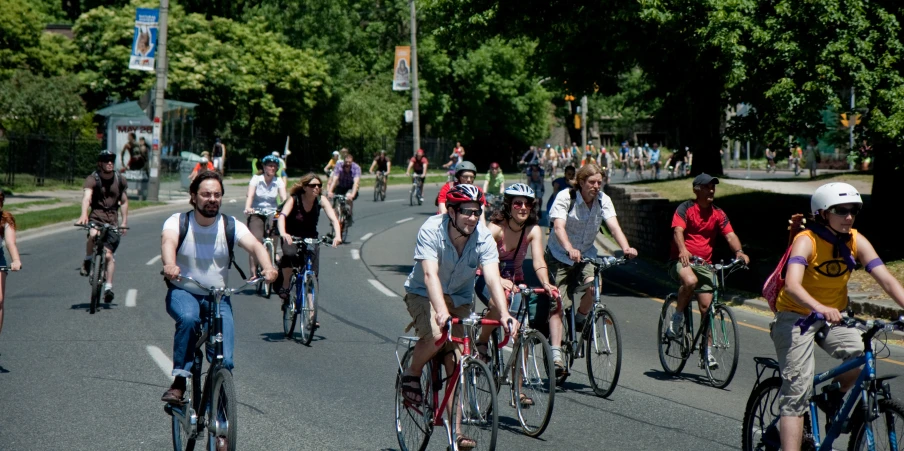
<point x="472" y="414"/>
<point x="212" y="406"/>
<point x="600" y="334"/>
<point x="415" y="194"/>
<point x="380" y="186"/>
<point x="340" y="205"/>
<point x="717" y="336"/>
<point x="303" y="288"/>
<point x="869" y="414"/>
<point x="263" y="288"/>
<point x="97" y="273"/>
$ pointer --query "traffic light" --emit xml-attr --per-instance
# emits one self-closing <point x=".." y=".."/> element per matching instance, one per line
<point x="845" y="122"/>
<point x="577" y="121"/>
<point x="569" y="98"/>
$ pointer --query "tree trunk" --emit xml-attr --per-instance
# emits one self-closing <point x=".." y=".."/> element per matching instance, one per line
<point x="699" y="122"/>
<point x="877" y="221"/>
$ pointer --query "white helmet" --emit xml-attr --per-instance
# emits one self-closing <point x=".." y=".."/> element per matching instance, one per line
<point x="831" y="194"/>
<point x="520" y="189"/>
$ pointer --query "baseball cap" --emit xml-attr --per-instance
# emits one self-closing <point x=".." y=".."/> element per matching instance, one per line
<point x="705" y="179"/>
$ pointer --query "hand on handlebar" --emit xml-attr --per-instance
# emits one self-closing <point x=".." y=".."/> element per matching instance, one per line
<point x="286" y="237"/>
<point x="248" y="211"/>
<point x="442" y="318"/>
<point x="171" y="272"/>
<point x="743" y="256"/>
<point x="82" y="220"/>
<point x="270" y="275"/>
<point x="832" y="315"/>
<point x="509" y="324"/>
<point x="574" y="255"/>
<point x="630" y="252"/>
<point x="337" y="240"/>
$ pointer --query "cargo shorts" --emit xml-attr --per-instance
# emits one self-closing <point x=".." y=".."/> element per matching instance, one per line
<point x="423" y="316"/>
<point x="705" y="277"/>
<point x="567" y="278"/>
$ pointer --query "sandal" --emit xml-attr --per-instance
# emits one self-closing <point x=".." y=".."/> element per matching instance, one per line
<point x="560" y="368"/>
<point x="525" y="400"/>
<point x="411" y="389"/>
<point x="464" y="442"/>
<point x="283" y="294"/>
<point x="483" y="352"/>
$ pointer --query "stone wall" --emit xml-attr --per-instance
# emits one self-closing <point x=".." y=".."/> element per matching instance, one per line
<point x="645" y="218"/>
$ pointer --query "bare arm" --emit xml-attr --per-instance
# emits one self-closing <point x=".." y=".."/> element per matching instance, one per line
<point x="124" y="209"/>
<point x="435" y="291"/>
<point x="735" y="244"/>
<point x="865" y="254"/>
<point x="410" y="166"/>
<point x="372" y="166"/>
<point x="442" y="208"/>
<point x="10" y="240"/>
<point x="562" y="236"/>
<point x="334" y="220"/>
<point x="388" y="167"/>
<point x="168" y="242"/>
<point x="497" y="295"/>
<point x="683" y="255"/>
<point x="620" y="237"/>
<point x="424" y="172"/>
<point x="86" y="205"/>
<point x="281" y="220"/>
<point x="254" y="247"/>
<point x="536" y="252"/>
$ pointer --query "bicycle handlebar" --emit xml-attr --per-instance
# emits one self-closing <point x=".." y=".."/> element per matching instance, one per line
<point x="736" y="263"/>
<point x="217" y="290"/>
<point x="447" y="336"/>
<point x="605" y="263"/>
<point x="98" y="226"/>
<point x="872" y="326"/>
<point x="263" y="211"/>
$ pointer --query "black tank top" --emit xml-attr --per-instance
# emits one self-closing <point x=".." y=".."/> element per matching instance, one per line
<point x="381" y="163"/>
<point x="303" y="224"/>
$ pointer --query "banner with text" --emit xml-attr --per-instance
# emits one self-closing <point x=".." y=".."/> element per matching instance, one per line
<point x="402" y="73"/>
<point x="144" y="44"/>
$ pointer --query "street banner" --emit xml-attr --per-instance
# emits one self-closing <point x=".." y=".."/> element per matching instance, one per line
<point x="144" y="43"/>
<point x="402" y="69"/>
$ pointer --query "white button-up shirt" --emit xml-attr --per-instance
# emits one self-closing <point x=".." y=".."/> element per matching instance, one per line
<point x="582" y="223"/>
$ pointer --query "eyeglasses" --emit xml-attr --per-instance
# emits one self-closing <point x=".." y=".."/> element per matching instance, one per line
<point x="211" y="195"/>
<point x="468" y="212"/>
<point x="844" y="211"/>
<point x="522" y="204"/>
<point x="315" y="185"/>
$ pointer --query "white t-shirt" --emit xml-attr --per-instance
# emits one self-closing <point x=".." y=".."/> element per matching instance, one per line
<point x="204" y="255"/>
<point x="265" y="195"/>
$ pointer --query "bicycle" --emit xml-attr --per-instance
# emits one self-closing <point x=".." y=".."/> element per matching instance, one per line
<point x="302" y="293"/>
<point x="97" y="272"/>
<point x="494" y="204"/>
<point x="719" y="326"/>
<point x="263" y="288"/>
<point x="380" y="187"/>
<point x="340" y="205"/>
<point x="601" y="335"/>
<point x="415" y="194"/>
<point x="530" y="371"/>
<point x="871" y="394"/>
<point x="213" y="405"/>
<point x="475" y="413"/>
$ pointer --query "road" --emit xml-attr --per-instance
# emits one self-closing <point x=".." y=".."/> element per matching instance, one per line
<point x="70" y="380"/>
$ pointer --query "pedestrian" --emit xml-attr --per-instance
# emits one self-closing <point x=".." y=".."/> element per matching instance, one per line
<point x="7" y="238"/>
<point x="812" y="157"/>
<point x="219" y="156"/>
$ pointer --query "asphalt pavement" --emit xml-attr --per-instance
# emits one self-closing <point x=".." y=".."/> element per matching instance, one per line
<point x="71" y="380"/>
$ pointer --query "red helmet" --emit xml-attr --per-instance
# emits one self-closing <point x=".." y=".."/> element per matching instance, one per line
<point x="494" y="165"/>
<point x="420" y="151"/>
<point x="462" y="193"/>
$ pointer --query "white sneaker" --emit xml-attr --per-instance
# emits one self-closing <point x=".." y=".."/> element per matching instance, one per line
<point x="676" y="325"/>
<point x="710" y="361"/>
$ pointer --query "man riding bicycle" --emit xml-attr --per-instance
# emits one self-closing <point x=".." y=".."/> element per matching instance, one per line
<point x="204" y="255"/>
<point x="577" y="215"/>
<point x="695" y="225"/>
<point x="345" y="180"/>
<point x="262" y="192"/>
<point x="382" y="165"/>
<point x="105" y="196"/>
<point x="535" y="175"/>
<point x="623" y="155"/>
<point x="450" y="247"/>
<point x="655" y="164"/>
<point x="418" y="164"/>
<point x="463" y="176"/>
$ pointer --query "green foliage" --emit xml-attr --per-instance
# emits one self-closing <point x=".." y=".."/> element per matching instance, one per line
<point x="41" y="105"/>
<point x="632" y="103"/>
<point x="371" y="110"/>
<point x="23" y="45"/>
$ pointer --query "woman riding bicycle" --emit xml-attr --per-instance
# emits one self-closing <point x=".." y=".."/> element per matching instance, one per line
<point x="298" y="219"/>
<point x="819" y="266"/>
<point x="7" y="237"/>
<point x="262" y="192"/>
<point x="516" y="231"/>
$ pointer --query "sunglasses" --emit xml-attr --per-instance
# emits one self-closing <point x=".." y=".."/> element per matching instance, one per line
<point x="522" y="204"/>
<point x="107" y="160"/>
<point x="844" y="211"/>
<point x="468" y="212"/>
<point x="315" y="185"/>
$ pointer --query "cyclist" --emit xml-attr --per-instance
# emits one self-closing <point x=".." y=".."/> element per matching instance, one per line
<point x="624" y="153"/>
<point x="219" y="156"/>
<point x="566" y="181"/>
<point x="495" y="181"/>
<point x="449" y="249"/>
<point x="536" y="181"/>
<point x="203" y="165"/>
<point x="678" y="162"/>
<point x="262" y="192"/>
<point x="655" y="165"/>
<point x="638" y="156"/>
<point x="382" y="165"/>
<point x="459" y="150"/>
<point x="577" y="215"/>
<point x="455" y="159"/>
<point x="794" y="159"/>
<point x="204" y="256"/>
<point x="328" y="169"/>
<point x="298" y="218"/>
<point x="345" y="180"/>
<point x="7" y="238"/>
<point x="770" y="160"/>
<point x="515" y="230"/>
<point x="105" y="196"/>
<point x="821" y="262"/>
<point x="418" y="165"/>
<point x="694" y="226"/>
<point x="464" y="175"/>
<point x="552" y="160"/>
<point x="533" y="155"/>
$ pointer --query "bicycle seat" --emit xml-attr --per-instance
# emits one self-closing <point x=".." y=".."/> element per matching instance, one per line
<point x="880" y="380"/>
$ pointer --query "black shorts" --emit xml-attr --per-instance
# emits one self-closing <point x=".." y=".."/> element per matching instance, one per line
<point x="343" y="191"/>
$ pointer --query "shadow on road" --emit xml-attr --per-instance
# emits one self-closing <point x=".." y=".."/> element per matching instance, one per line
<point x="87" y="306"/>
<point x="663" y="376"/>
<point x="400" y="269"/>
<point x="279" y="337"/>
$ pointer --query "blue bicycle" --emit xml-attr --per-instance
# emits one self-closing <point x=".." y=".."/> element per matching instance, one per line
<point x="302" y="292"/>
<point x="876" y="423"/>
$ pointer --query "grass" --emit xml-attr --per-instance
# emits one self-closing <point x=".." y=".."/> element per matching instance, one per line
<point x="869" y="285"/>
<point x="24" y="205"/>
<point x="679" y="190"/>
<point x="30" y="187"/>
<point x="34" y="219"/>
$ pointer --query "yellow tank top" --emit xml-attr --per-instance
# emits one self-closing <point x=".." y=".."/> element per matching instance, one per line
<point x="825" y="278"/>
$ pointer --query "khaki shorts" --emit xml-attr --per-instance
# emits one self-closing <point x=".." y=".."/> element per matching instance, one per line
<point x="567" y="278"/>
<point x="795" y="357"/>
<point x="705" y="277"/>
<point x="424" y="315"/>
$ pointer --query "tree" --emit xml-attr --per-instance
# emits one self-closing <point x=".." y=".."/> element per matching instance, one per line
<point x="33" y="104"/>
<point x="24" y="45"/>
<point x="632" y="104"/>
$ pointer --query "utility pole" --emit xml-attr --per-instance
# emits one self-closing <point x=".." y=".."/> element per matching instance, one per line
<point x="583" y="121"/>
<point x="415" y="93"/>
<point x="852" y="120"/>
<point x="159" y="106"/>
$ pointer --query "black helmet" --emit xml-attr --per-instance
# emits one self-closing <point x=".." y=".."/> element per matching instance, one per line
<point x="106" y="155"/>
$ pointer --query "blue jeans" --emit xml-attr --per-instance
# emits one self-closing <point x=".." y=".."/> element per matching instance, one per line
<point x="186" y="308"/>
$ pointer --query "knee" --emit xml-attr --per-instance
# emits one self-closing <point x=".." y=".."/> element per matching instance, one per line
<point x="689" y="282"/>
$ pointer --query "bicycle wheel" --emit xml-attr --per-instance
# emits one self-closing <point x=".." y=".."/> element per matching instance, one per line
<point x="604" y="353"/>
<point x="377" y="189"/>
<point x="414" y="423"/>
<point x="97" y="282"/>
<point x="759" y="429"/>
<point x="271" y="252"/>
<point x="531" y="378"/>
<point x="475" y="413"/>
<point x="308" y="311"/>
<point x="383" y="188"/>
<point x="725" y="347"/>
<point x="223" y="410"/>
<point x="887" y="428"/>
<point x="673" y="352"/>
<point x="289" y="309"/>
<point x="182" y="440"/>
<point x="412" y="193"/>
<point x="420" y="194"/>
<point x="497" y="359"/>
<point x="343" y="222"/>
<point x="567" y="354"/>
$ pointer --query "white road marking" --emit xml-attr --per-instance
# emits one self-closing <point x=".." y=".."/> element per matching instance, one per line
<point x="131" y="297"/>
<point x="162" y="361"/>
<point x="403" y="220"/>
<point x="382" y="288"/>
<point x="153" y="260"/>
<point x="367" y="236"/>
<point x="356" y="254"/>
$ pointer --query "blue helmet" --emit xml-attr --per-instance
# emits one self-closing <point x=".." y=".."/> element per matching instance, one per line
<point x="270" y="159"/>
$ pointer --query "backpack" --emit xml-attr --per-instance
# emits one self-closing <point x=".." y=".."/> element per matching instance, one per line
<point x="573" y="194"/>
<point x="97" y="193"/>
<point x="230" y="237"/>
<point x="776" y="280"/>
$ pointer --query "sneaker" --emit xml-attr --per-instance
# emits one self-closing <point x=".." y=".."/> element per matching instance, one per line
<point x="86" y="268"/>
<point x="108" y="296"/>
<point x="711" y="362"/>
<point x="676" y="325"/>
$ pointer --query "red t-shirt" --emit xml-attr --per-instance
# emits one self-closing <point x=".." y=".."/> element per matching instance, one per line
<point x="700" y="228"/>
<point x="441" y="199"/>
<point x="418" y="165"/>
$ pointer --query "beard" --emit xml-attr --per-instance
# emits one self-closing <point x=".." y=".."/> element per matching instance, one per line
<point x="209" y="210"/>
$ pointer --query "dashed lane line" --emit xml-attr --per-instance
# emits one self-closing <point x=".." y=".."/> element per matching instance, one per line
<point x="162" y="360"/>
<point x="356" y="254"/>
<point x="367" y="236"/>
<point x="403" y="220"/>
<point x="382" y="288"/>
<point x="153" y="260"/>
<point x="131" y="297"/>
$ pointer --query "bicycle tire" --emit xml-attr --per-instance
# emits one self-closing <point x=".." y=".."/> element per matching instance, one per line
<point x="383" y="188"/>
<point x="602" y="369"/>
<point x="888" y="410"/>
<point x="182" y="440"/>
<point x="411" y="194"/>
<point x="223" y="420"/>
<point x="414" y="424"/>
<point x="343" y="224"/>
<point x="755" y="425"/>
<point x="567" y="354"/>
<point x="673" y="352"/>
<point x="97" y="282"/>
<point x="497" y="360"/>
<point x="725" y="347"/>
<point x="290" y="313"/>
<point x="474" y="390"/>
<point x="308" y="311"/>
<point x="377" y="189"/>
<point x="271" y="253"/>
<point x="536" y="381"/>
